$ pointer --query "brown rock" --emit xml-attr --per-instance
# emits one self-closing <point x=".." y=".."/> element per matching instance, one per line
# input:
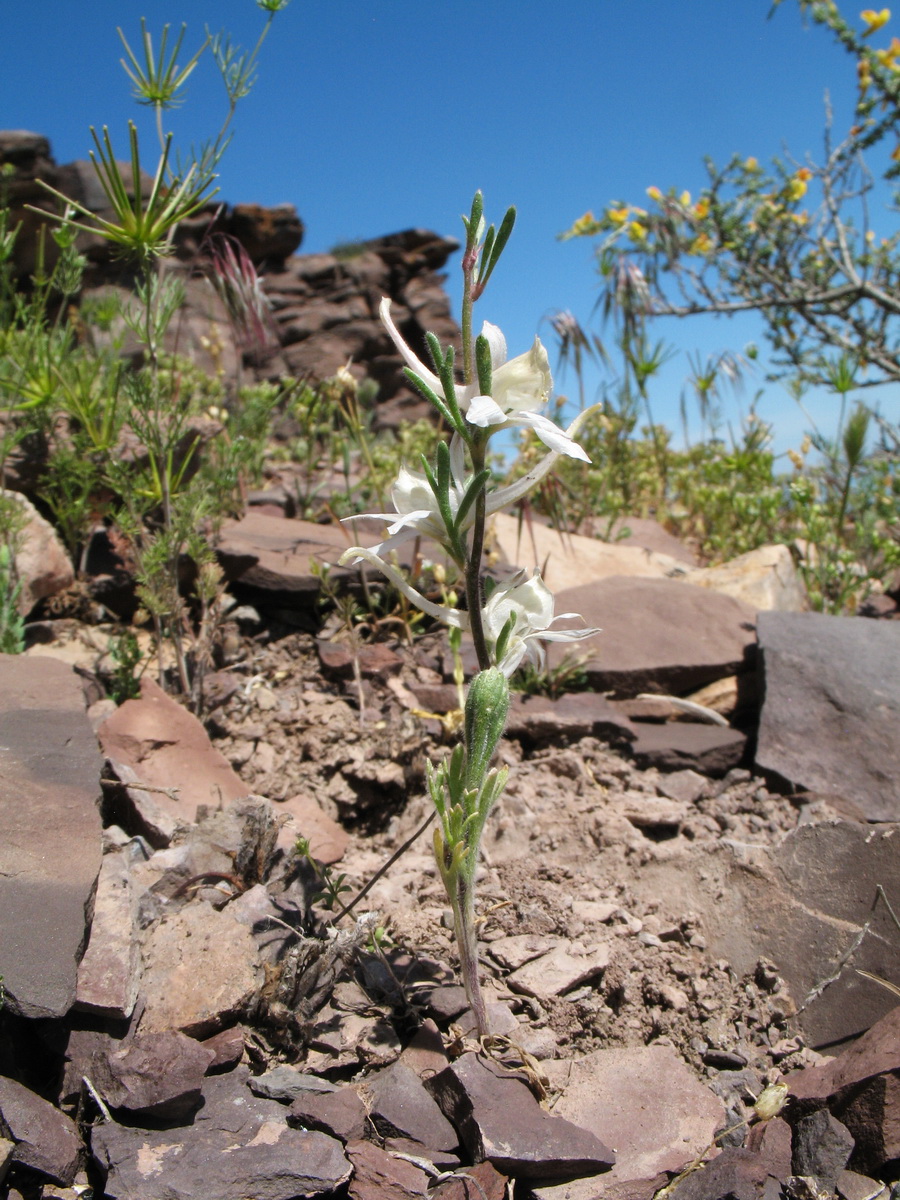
<point x="560" y="971"/>
<point x="46" y="1140"/>
<point x="736" y="1173"/>
<point x="568" y="560"/>
<point x="425" y="1052"/>
<point x="648" y="535"/>
<point x="268" y="235"/>
<point x="164" y="745"/>
<point x="378" y="1175"/>
<point x="49" y="833"/>
<point x="832" y="704"/>
<point x="199" y="971"/>
<point x="304" y="817"/>
<point x="237" y="1146"/>
<point x="822" y="1146"/>
<point x="573" y="715"/>
<point x="273" y="554"/>
<point x="227" y="1047"/>
<point x="499" y="1119"/>
<point x="678" y="746"/>
<point x="340" y="1113"/>
<point x="489" y="1183"/>
<point x="399" y="1106"/>
<point x="659" y="635"/>
<point x="646" y="1103"/>
<point x="765" y="578"/>
<point x="375" y="660"/>
<point x="802" y="904"/>
<point x="43" y="566"/>
<point x="157" y="1074"/>
<point x="109" y="974"/>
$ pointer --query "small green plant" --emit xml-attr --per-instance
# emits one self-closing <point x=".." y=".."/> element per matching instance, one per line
<point x="12" y="624"/>
<point x="332" y="886"/>
<point x="125" y="652"/>
<point x="567" y="676"/>
<point x="160" y="494"/>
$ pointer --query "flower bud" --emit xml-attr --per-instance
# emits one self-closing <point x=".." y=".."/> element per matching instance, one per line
<point x="487" y="705"/>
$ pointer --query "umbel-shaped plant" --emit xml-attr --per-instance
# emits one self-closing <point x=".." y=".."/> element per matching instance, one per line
<point x="449" y="502"/>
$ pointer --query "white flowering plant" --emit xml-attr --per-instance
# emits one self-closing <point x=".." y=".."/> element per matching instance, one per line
<point x="449" y="502"/>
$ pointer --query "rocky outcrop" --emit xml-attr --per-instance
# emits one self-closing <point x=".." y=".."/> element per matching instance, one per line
<point x="324" y="307"/>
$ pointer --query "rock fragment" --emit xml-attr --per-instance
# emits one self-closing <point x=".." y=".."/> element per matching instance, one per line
<point x="499" y="1119"/>
<point x="49" y="833"/>
<point x="648" y="1105"/>
<point x="46" y="1140"/>
<point x="832" y="707"/>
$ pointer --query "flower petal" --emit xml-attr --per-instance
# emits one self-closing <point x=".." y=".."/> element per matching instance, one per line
<point x="551" y="435"/>
<point x="504" y="496"/>
<point x="484" y="411"/>
<point x="412" y="361"/>
<point x="450" y="616"/>
<point x="497" y="343"/>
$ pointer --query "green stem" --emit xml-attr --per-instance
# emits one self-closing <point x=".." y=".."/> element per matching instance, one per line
<point x="467" y="943"/>
<point x="473" y="566"/>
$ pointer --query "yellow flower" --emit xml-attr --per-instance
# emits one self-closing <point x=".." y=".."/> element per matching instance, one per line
<point x="796" y="188"/>
<point x="800" y="218"/>
<point x="619" y="216"/>
<point x="701" y="209"/>
<point x="874" y="20"/>
<point x="702" y="244"/>
<point x="795" y="459"/>
<point x="654" y="193"/>
<point x="864" y="74"/>
<point x="751" y="164"/>
<point x="685" y="199"/>
<point x="585" y="226"/>
<point x="636" y="231"/>
<point x="895" y="153"/>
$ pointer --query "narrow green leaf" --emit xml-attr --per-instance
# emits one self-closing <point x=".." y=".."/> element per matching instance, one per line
<point x="503" y="234"/>
<point x="483" y="364"/>
<point x="471" y="495"/>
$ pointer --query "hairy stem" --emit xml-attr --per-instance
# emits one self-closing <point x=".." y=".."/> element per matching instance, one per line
<point x="467" y="943"/>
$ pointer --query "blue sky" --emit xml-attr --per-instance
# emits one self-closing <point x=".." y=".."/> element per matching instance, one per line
<point x="375" y="115"/>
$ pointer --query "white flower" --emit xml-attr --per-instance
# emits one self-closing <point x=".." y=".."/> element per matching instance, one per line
<point x="520" y="387"/>
<point x="417" y="507"/>
<point x="529" y="602"/>
<point x="417" y="513"/>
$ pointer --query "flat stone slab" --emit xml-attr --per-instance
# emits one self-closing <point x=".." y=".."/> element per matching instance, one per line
<point x="647" y="1104"/>
<point x="160" y="743"/>
<point x="237" y="1146"/>
<point x="49" y="832"/>
<point x="560" y="971"/>
<point x="500" y="1121"/>
<point x="573" y="715"/>
<point x="831" y="714"/>
<point x="568" y="560"/>
<point x="804" y="905"/>
<point x="658" y="635"/>
<point x="765" y="578"/>
<point x="273" y="554"/>
<point x="682" y="745"/>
